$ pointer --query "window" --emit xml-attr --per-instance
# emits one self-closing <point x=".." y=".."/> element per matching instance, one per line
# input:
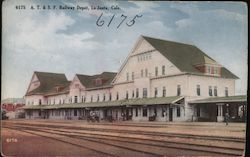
<point x="91" y="99"/>
<point x="126" y="94"/>
<point x="208" y="70"/>
<point x="136" y="111"/>
<point x="156" y="71"/>
<point x="156" y="92"/>
<point x="178" y="90"/>
<point x="163" y="91"/>
<point x="75" y="99"/>
<point x="84" y="100"/>
<point x="163" y="70"/>
<point x="146" y="72"/>
<point x="226" y="91"/>
<point x="98" y="98"/>
<point x="198" y="90"/>
<point x="215" y="70"/>
<point x="133" y="94"/>
<point x="178" y="111"/>
<point x="104" y="98"/>
<point x="144" y="112"/>
<point x="117" y="96"/>
<point x="141" y="73"/>
<point x="40" y="101"/>
<point x="145" y="93"/>
<point x="54" y="102"/>
<point x="75" y="112"/>
<point x="127" y="76"/>
<point x="110" y="97"/>
<point x="215" y="91"/>
<point x="137" y="93"/>
<point x="133" y="76"/>
<point x="210" y="92"/>
<point x="98" y="82"/>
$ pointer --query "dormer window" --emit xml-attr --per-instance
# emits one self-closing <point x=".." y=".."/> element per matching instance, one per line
<point x="58" y="88"/>
<point x="98" y="82"/>
<point x="76" y="85"/>
<point x="209" y="69"/>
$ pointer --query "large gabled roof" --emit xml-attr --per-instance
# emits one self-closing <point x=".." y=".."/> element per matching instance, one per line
<point x="185" y="56"/>
<point x="89" y="81"/>
<point x="48" y="81"/>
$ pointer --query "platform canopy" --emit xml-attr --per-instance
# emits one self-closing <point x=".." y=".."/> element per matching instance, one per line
<point x="228" y="99"/>
<point x="128" y="102"/>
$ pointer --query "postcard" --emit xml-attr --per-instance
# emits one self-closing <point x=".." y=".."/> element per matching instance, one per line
<point x="123" y="78"/>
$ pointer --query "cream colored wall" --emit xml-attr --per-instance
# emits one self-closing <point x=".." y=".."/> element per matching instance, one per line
<point x="205" y="82"/>
<point x="34" y="99"/>
<point x="171" y="84"/>
<point x="121" y="89"/>
<point x="57" y="99"/>
<point x="94" y="93"/>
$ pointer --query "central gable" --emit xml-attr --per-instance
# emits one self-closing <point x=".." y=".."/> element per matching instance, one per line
<point x="142" y="46"/>
<point x="144" y="57"/>
<point x="76" y="83"/>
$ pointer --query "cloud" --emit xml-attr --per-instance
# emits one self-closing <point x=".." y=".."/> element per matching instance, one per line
<point x="70" y="42"/>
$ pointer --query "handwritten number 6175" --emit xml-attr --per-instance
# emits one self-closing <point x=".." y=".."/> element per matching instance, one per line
<point x="130" y="23"/>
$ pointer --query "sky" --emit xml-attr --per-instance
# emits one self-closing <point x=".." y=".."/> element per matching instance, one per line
<point x="70" y="42"/>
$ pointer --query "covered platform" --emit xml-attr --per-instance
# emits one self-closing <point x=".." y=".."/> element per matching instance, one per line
<point x="120" y="110"/>
<point x="215" y="108"/>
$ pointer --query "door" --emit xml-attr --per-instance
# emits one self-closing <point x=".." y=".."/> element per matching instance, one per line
<point x="170" y="114"/>
<point x="127" y="113"/>
<point x="105" y="113"/>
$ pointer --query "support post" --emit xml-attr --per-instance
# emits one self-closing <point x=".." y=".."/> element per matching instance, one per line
<point x="220" y="117"/>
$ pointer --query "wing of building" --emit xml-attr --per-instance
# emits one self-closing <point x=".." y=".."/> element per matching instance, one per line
<point x="160" y="80"/>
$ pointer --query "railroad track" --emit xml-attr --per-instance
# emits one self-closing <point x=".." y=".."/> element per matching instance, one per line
<point x="101" y="148"/>
<point x="120" y="141"/>
<point x="211" y="138"/>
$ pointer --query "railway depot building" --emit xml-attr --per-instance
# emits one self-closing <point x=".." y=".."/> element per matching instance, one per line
<point x="159" y="81"/>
